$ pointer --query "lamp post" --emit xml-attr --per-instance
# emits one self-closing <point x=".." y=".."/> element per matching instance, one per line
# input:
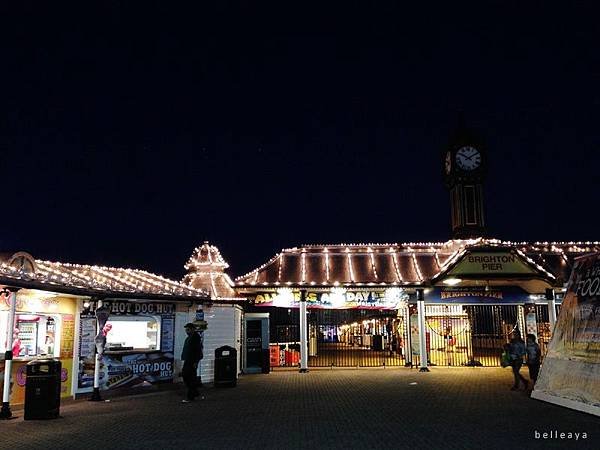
<point x="422" y="337"/>
<point x="11" y="293"/>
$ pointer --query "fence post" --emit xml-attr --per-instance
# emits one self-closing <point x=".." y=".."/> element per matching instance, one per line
<point x="550" y="296"/>
<point x="422" y="337"/>
<point x="303" y="340"/>
<point x="407" y="338"/>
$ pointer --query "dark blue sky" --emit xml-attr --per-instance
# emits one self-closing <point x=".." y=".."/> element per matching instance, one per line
<point x="130" y="134"/>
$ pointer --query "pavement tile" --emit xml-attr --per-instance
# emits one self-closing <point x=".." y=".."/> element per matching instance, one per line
<point x="448" y="408"/>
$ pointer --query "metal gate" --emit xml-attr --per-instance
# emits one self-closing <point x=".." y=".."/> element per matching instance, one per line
<point x="355" y="338"/>
<point x="470" y="335"/>
<point x="491" y="328"/>
<point x="449" y="329"/>
<point x="456" y="335"/>
<point x="338" y="338"/>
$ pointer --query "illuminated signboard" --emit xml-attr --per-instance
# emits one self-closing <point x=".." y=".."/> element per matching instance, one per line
<point x="477" y="295"/>
<point x="492" y="263"/>
<point x="336" y="298"/>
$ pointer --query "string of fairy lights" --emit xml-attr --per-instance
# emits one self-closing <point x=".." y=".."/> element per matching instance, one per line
<point x="417" y="268"/>
<point x="206" y="255"/>
<point x="443" y="255"/>
<point x="373" y="268"/>
<point x="437" y="258"/>
<point x="280" y="268"/>
<point x="326" y="264"/>
<point x="206" y="269"/>
<point x="396" y="268"/>
<point x="350" y="268"/>
<point x="100" y="278"/>
<point x="207" y="260"/>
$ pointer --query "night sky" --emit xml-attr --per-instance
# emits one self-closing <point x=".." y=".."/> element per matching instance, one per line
<point x="130" y="134"/>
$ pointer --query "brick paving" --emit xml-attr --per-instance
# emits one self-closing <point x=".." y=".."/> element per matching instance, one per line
<point x="459" y="408"/>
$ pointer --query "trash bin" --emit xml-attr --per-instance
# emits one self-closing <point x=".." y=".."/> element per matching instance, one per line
<point x="377" y="342"/>
<point x="42" y="389"/>
<point x="266" y="361"/>
<point x="225" y="366"/>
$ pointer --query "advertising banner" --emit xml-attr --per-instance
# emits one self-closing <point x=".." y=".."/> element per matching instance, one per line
<point x="336" y="298"/>
<point x="477" y="295"/>
<point x="127" y="369"/>
<point x="571" y="369"/>
<point x="414" y="335"/>
<point x="18" y="379"/>
<point x="531" y="324"/>
<point x="130" y="366"/>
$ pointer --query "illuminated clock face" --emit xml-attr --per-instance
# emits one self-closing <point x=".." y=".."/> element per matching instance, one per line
<point x="448" y="164"/>
<point x="468" y="158"/>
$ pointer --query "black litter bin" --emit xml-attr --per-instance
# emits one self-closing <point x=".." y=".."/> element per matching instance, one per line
<point x="266" y="361"/>
<point x="42" y="389"/>
<point x="225" y="366"/>
<point x="377" y="342"/>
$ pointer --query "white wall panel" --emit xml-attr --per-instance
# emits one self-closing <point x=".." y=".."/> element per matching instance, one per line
<point x="222" y="329"/>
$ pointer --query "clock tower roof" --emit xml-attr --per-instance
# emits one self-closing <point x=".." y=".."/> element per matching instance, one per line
<point x="463" y="135"/>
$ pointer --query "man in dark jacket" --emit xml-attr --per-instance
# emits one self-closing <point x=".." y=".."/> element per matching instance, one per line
<point x="191" y="355"/>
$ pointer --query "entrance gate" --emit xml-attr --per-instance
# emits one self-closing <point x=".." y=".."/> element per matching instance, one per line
<point x="456" y="335"/>
<point x="355" y="338"/>
<point x="470" y="335"/>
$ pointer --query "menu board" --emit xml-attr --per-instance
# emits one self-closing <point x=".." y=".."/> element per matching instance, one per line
<point x="167" y="335"/>
<point x="67" y="336"/>
<point x="87" y="329"/>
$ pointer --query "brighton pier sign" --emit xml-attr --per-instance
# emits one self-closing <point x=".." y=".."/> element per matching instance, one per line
<point x="491" y="263"/>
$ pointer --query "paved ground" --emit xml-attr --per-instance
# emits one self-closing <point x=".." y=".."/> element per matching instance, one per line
<point x="460" y="408"/>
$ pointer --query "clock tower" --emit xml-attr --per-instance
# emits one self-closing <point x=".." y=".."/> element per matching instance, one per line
<point x="464" y="164"/>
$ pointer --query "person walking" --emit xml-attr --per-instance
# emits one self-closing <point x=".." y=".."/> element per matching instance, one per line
<point x="533" y="357"/>
<point x="191" y="355"/>
<point x="516" y="352"/>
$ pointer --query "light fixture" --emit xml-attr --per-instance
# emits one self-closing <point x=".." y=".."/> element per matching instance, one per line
<point x="452" y="281"/>
<point x="284" y="298"/>
<point x="337" y="297"/>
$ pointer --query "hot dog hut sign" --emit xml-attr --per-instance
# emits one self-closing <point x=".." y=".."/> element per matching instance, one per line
<point x="126" y="366"/>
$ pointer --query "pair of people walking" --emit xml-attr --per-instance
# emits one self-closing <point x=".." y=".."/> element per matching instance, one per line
<point x="517" y="349"/>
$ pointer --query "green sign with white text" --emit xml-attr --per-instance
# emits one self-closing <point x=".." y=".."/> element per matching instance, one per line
<point x="491" y="264"/>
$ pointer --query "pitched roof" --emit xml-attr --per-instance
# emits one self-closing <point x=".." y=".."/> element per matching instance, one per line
<point x="395" y="264"/>
<point x="21" y="270"/>
<point x="206" y="270"/>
